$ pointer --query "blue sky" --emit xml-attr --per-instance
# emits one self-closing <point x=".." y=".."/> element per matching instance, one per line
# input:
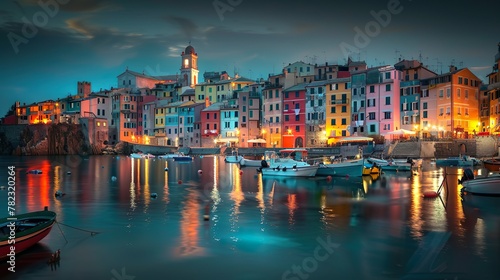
<point x="90" y="40"/>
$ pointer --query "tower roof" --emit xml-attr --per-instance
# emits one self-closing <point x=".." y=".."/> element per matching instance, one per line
<point x="189" y="50"/>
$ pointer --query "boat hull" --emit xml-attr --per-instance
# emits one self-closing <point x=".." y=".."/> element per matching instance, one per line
<point x="303" y="171"/>
<point x="250" y="162"/>
<point x="233" y="159"/>
<point x="482" y="186"/>
<point x="454" y="161"/>
<point x="28" y="237"/>
<point x="492" y="165"/>
<point x="352" y="168"/>
<point x="396" y="167"/>
<point x="182" y="158"/>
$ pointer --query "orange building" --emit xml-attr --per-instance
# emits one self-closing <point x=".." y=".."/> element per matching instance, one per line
<point x="456" y="103"/>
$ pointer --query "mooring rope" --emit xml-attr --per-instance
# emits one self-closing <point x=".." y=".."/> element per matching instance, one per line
<point x="91" y="232"/>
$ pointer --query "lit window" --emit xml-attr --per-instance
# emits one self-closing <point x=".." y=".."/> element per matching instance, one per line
<point x="98" y="124"/>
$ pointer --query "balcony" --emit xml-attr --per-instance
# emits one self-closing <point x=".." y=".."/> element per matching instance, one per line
<point x="339" y="101"/>
<point x="228" y="106"/>
<point x="210" y="132"/>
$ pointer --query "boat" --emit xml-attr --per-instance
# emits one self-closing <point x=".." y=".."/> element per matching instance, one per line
<point x="290" y="164"/>
<point x="370" y="168"/>
<point x="29" y="228"/>
<point x="234" y="157"/>
<point x="182" y="157"/>
<point x="141" y="155"/>
<point x="251" y="162"/>
<point x="489" y="185"/>
<point x="171" y="155"/>
<point x="342" y="167"/>
<point x="455" y="161"/>
<point x="34" y="171"/>
<point x="492" y="165"/>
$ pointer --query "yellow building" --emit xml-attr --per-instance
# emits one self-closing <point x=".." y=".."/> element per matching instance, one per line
<point x="338" y="108"/>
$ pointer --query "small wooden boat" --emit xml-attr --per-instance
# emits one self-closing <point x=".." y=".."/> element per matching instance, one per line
<point x="492" y="165"/>
<point x="27" y="229"/>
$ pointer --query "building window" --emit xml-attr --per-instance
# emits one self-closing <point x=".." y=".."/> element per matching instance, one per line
<point x="387" y="115"/>
<point x="388" y="87"/>
<point x="297" y="128"/>
<point x="387" y="100"/>
<point x="297" y="117"/>
<point x="372" y="89"/>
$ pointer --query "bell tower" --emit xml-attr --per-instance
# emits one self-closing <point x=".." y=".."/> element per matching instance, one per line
<point x="189" y="67"/>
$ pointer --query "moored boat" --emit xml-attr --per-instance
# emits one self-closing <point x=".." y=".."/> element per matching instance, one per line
<point x="251" y="162"/>
<point x="141" y="155"/>
<point x="234" y="157"/>
<point x="370" y="168"/>
<point x="28" y="229"/>
<point x="352" y="167"/>
<point x="482" y="186"/>
<point x="455" y="161"/>
<point x="492" y="165"/>
<point x="167" y="156"/>
<point x="290" y="164"/>
<point x="182" y="157"/>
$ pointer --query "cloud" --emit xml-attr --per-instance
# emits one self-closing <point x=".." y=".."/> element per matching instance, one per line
<point x="79" y="26"/>
<point x="186" y="26"/>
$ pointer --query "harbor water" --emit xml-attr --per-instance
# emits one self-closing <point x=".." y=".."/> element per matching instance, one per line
<point x="124" y="218"/>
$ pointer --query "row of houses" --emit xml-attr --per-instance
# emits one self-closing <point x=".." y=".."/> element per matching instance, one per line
<point x="303" y="106"/>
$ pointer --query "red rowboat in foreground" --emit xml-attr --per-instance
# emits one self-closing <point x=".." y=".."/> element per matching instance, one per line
<point x="20" y="232"/>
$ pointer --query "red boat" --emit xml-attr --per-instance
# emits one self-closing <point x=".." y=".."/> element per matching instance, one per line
<point x="493" y="165"/>
<point x="25" y="229"/>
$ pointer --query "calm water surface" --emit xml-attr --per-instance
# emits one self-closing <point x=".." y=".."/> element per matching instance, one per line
<point x="258" y="228"/>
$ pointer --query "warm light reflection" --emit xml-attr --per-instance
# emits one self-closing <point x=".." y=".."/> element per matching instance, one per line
<point x="57" y="187"/>
<point x="292" y="206"/>
<point x="38" y="188"/>
<point x="132" y="185"/>
<point x="147" y="194"/>
<point x="166" y="192"/>
<point x="190" y="222"/>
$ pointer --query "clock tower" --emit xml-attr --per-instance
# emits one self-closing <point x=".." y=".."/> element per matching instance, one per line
<point x="189" y="67"/>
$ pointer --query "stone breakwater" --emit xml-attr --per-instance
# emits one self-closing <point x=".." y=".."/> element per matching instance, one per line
<point x="53" y="139"/>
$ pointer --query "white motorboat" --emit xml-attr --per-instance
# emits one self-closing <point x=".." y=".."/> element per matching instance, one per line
<point x="482" y="186"/>
<point x="342" y="167"/>
<point x="290" y="164"/>
<point x="234" y="157"/>
<point x="141" y="155"/>
<point x="172" y="155"/>
<point x="251" y="162"/>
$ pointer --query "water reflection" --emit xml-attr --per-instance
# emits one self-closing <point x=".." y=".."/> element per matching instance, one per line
<point x="379" y="222"/>
<point x="189" y="226"/>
